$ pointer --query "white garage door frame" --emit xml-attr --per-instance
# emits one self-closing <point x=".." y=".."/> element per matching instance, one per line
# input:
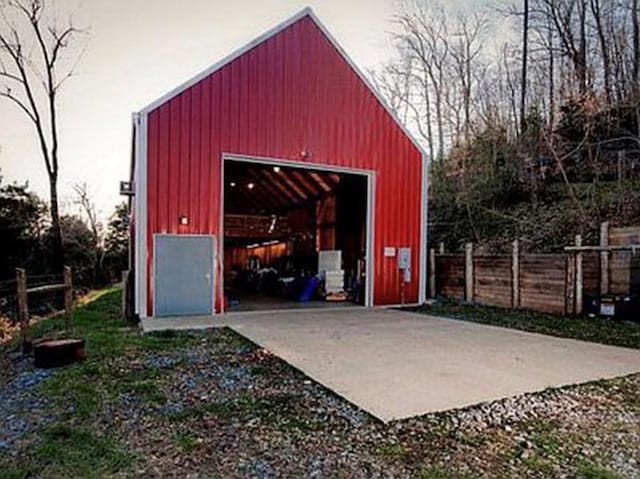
<point x="370" y="175"/>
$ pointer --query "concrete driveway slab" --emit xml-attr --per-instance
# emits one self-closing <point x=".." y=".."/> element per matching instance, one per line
<point x="396" y="365"/>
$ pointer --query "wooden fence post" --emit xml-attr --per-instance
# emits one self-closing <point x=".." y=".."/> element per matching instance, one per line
<point x="23" y="310"/>
<point x="432" y="273"/>
<point x="579" y="276"/>
<point x="515" y="274"/>
<point x="68" y="300"/>
<point x="604" y="258"/>
<point x="570" y="285"/>
<point x="468" y="272"/>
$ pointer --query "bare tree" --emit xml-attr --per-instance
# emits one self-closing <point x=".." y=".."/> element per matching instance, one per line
<point x="453" y="80"/>
<point x="523" y="77"/>
<point x="465" y="53"/>
<point x="551" y="75"/>
<point x="510" y="83"/>
<point x="88" y="208"/>
<point x="424" y="36"/>
<point x="570" y="22"/>
<point x="83" y="200"/>
<point x="596" y="11"/>
<point x="408" y="94"/>
<point x="393" y="88"/>
<point x="31" y="75"/>
<point x="635" y="19"/>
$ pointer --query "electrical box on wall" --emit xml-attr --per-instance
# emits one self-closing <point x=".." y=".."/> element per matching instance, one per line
<point x="404" y="258"/>
<point x="404" y="263"/>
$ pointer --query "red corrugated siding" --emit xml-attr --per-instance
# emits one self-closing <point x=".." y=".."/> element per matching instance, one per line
<point x="291" y="93"/>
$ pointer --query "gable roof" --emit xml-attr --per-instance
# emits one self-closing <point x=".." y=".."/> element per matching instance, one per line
<point x="306" y="12"/>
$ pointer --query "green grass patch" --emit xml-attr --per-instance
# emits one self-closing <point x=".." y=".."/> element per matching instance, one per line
<point x="108" y="337"/>
<point x="599" y="330"/>
<point x="539" y="465"/>
<point x="544" y="435"/>
<point x="13" y="471"/>
<point x="392" y="451"/>
<point x="199" y="411"/>
<point x="144" y="383"/>
<point x="629" y="392"/>
<point x="70" y="451"/>
<point x="547" y="443"/>
<point x="588" y="470"/>
<point x="300" y="424"/>
<point x="439" y="473"/>
<point x="243" y="405"/>
<point x="186" y="441"/>
<point x="259" y="371"/>
<point x="148" y="391"/>
<point x="114" y="366"/>
<point x="547" y="447"/>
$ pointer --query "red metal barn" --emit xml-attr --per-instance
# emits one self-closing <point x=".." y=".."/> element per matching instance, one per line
<point x="280" y="151"/>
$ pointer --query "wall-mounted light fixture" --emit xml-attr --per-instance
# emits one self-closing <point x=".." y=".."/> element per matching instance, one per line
<point x="276" y="169"/>
<point x="232" y="184"/>
<point x="251" y="186"/>
<point x="183" y="220"/>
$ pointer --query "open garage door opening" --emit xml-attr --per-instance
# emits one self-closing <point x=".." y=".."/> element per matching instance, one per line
<point x="294" y="237"/>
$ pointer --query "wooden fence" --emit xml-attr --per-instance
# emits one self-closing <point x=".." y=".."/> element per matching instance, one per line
<point x="23" y="293"/>
<point x="623" y="265"/>
<point x="552" y="283"/>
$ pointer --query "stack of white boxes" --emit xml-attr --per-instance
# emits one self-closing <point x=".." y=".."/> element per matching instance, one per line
<point x="330" y="270"/>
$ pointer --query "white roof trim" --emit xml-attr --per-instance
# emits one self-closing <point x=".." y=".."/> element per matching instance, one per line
<point x="307" y="11"/>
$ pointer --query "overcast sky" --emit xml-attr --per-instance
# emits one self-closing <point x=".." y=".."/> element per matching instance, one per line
<point x="139" y="49"/>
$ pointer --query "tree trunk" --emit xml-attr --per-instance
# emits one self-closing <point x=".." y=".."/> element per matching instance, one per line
<point x="606" y="73"/>
<point x="56" y="232"/>
<point x="523" y="81"/>
<point x="582" y="50"/>
<point x="438" y="94"/>
<point x="635" y="12"/>
<point x="427" y="101"/>
<point x="552" y="76"/>
<point x="467" y="94"/>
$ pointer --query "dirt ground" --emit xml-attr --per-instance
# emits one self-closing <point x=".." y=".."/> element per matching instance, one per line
<point x="214" y="405"/>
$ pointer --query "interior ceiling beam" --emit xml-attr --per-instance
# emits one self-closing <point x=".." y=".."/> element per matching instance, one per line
<point x="244" y="199"/>
<point x="276" y="193"/>
<point x="284" y="176"/>
<point x="275" y="189"/>
<point x="318" y="179"/>
<point x="240" y="199"/>
<point x="265" y="192"/>
<point x="316" y="184"/>
<point x="280" y="186"/>
<point x="313" y="191"/>
<point x="260" y="197"/>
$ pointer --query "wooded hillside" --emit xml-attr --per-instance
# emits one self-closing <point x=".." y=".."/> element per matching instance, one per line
<point x="530" y="114"/>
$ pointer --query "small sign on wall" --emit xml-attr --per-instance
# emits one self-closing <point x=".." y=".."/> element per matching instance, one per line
<point x="389" y="252"/>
